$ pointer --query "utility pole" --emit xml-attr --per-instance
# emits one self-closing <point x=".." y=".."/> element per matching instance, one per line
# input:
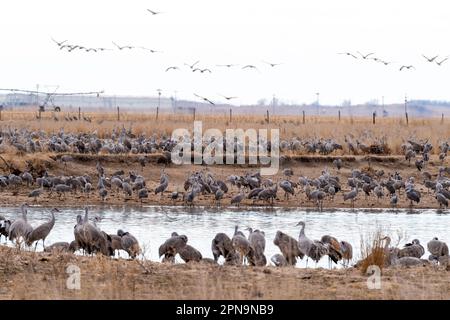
<point x="317" y="102"/>
<point x="159" y="97"/>
<point x="273" y="104"/>
<point x="406" y="110"/>
<point x="159" y="103"/>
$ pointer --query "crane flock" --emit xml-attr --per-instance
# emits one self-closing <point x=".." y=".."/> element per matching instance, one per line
<point x="239" y="249"/>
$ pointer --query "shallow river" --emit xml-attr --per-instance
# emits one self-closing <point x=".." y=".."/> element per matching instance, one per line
<point x="152" y="225"/>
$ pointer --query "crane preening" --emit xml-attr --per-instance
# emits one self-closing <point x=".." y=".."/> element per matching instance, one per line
<point x="49" y="96"/>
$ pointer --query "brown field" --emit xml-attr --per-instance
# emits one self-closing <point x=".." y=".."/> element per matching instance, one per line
<point x="32" y="275"/>
<point x="394" y="130"/>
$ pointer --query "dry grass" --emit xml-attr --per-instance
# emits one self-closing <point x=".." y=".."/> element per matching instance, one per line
<point x="393" y="129"/>
<point x="373" y="251"/>
<point x="29" y="275"/>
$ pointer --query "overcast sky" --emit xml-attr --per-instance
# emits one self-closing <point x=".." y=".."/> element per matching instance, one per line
<point x="305" y="36"/>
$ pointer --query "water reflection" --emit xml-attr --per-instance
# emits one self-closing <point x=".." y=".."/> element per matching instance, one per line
<point x="153" y="224"/>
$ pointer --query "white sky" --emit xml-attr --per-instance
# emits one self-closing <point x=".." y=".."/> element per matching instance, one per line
<point x="304" y="35"/>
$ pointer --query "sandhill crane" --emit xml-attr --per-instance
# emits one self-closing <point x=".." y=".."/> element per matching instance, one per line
<point x="20" y="228"/>
<point x="103" y="193"/>
<point x="172" y="68"/>
<point x="90" y="238"/>
<point x="413" y="249"/>
<point x="249" y="66"/>
<point x="153" y="12"/>
<point x="164" y="183"/>
<point x="221" y="245"/>
<point x="122" y="47"/>
<point x="189" y="253"/>
<point x="59" y="247"/>
<point x="226" y="65"/>
<point x="349" y="54"/>
<point x="228" y="97"/>
<point x="59" y="43"/>
<point x="142" y="194"/>
<point x="365" y="56"/>
<point x="244" y="248"/>
<point x="437" y="248"/>
<point x="338" y="163"/>
<point x="287" y="188"/>
<point x="41" y="232"/>
<point x="430" y="59"/>
<point x="408" y="67"/>
<point x="334" y="248"/>
<point x="351" y="196"/>
<point x="394" y="200"/>
<point x="442" y="200"/>
<point x="413" y="195"/>
<point x="171" y="247"/>
<point x="442" y="61"/>
<point x="37" y="192"/>
<point x="347" y="252"/>
<point x="204" y="99"/>
<point x="129" y="243"/>
<point x="237" y="232"/>
<point x="27" y="177"/>
<point x="116" y="243"/>
<point x="258" y="242"/>
<point x="288" y="247"/>
<point x="279" y="260"/>
<point x="272" y="64"/>
<point x="312" y="249"/>
<point x="236" y="200"/>
<point x="218" y="196"/>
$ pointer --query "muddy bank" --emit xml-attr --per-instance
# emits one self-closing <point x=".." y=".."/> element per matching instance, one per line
<point x="309" y="167"/>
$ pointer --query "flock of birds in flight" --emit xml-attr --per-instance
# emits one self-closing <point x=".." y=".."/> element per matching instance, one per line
<point x="196" y="68"/>
<point x="193" y="67"/>
<point x="369" y="56"/>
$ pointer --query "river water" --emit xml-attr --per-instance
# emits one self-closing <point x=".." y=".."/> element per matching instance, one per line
<point x="152" y="225"/>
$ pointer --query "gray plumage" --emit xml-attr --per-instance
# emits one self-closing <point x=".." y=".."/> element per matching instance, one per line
<point x="437" y="249"/>
<point x="442" y="200"/>
<point x="41" y="232"/>
<point x="189" y="253"/>
<point x="244" y="248"/>
<point x="20" y="228"/>
<point x="221" y="245"/>
<point x="172" y="246"/>
<point x="413" y="249"/>
<point x="59" y="247"/>
<point x="347" y="252"/>
<point x="279" y="260"/>
<point x="142" y="194"/>
<point x="237" y="199"/>
<point x="129" y="243"/>
<point x="258" y="242"/>
<point x="288" y="247"/>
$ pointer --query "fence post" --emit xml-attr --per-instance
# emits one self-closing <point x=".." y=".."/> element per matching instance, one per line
<point x="194" y="113"/>
<point x="79" y="113"/>
<point x="373" y="117"/>
<point x="442" y="118"/>
<point x="303" y="116"/>
<point x="267" y="119"/>
<point x="407" y="120"/>
<point x="0" y="114"/>
<point x="230" y="115"/>
<point x="118" y="113"/>
<point x="339" y="115"/>
<point x="157" y="113"/>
